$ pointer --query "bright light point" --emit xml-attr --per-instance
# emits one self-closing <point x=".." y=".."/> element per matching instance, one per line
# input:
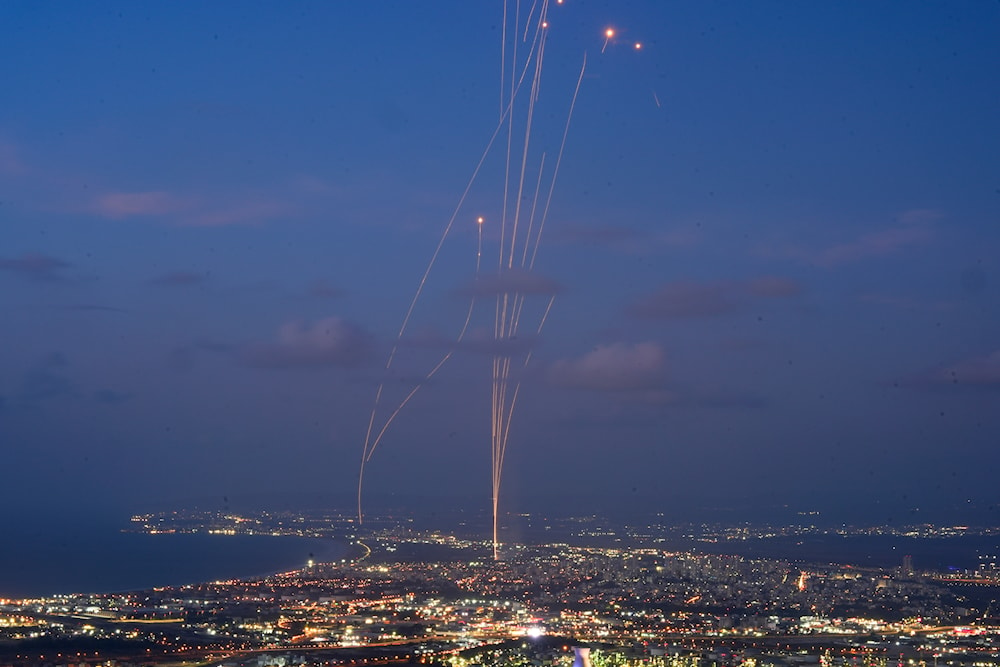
<point x="609" y="33"/>
<point x="480" y="220"/>
<point x="638" y="45"/>
<point x="545" y="24"/>
<point x="535" y="631"/>
<point x="559" y="2"/>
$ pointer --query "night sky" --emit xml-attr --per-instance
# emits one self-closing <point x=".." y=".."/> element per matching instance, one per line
<point x="774" y="246"/>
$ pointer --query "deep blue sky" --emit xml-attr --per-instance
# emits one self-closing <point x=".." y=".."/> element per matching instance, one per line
<point x="775" y="232"/>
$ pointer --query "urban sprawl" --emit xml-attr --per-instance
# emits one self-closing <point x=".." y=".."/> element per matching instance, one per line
<point x="408" y="595"/>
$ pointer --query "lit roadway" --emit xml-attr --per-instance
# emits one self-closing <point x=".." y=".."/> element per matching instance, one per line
<point x="332" y="648"/>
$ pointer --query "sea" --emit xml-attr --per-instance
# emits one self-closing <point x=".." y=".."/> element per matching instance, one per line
<point x="44" y="558"/>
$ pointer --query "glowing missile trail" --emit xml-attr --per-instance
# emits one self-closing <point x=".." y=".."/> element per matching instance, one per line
<point x="608" y="34"/>
<point x="373" y="435"/>
<point x="518" y="238"/>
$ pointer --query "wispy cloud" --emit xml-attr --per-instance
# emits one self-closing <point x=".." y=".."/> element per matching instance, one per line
<point x="615" y="367"/>
<point x="35" y="266"/>
<point x="46" y="189"/>
<point x="195" y="211"/>
<point x="875" y="244"/>
<point x="974" y="373"/>
<point x="913" y="228"/>
<point x="119" y="205"/>
<point x="236" y="213"/>
<point x="710" y="299"/>
<point x="329" y="342"/>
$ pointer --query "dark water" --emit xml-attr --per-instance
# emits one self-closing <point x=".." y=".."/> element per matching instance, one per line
<point x="44" y="558"/>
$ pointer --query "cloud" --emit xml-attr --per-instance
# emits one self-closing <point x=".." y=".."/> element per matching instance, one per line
<point x="329" y="342"/>
<point x="914" y="228"/>
<point x="35" y="266"/>
<point x="513" y="281"/>
<point x="118" y="205"/>
<point x="317" y="186"/>
<point x="180" y="279"/>
<point x="977" y="372"/>
<point x="190" y="211"/>
<point x="710" y="299"/>
<point x="875" y="244"/>
<point x="615" y="367"/>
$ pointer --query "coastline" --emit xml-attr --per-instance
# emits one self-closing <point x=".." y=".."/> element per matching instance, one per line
<point x="43" y="563"/>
